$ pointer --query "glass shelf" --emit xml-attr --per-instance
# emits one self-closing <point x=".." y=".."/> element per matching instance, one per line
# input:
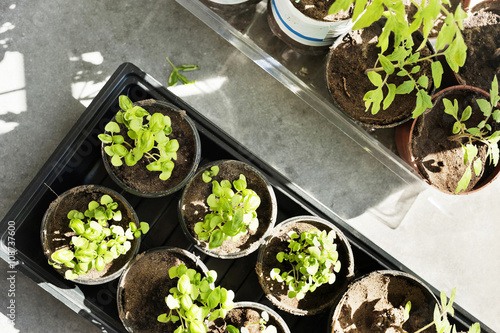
<point x="304" y="75"/>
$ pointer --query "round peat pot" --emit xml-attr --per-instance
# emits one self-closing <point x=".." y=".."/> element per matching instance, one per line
<point x="145" y="283"/>
<point x="193" y="208"/>
<point x="302" y="33"/>
<point x="426" y="147"/>
<point x="347" y="81"/>
<point x="326" y="295"/>
<point x="56" y="233"/>
<point x="249" y="313"/>
<point x="137" y="179"/>
<point x="376" y="302"/>
<point x="230" y="7"/>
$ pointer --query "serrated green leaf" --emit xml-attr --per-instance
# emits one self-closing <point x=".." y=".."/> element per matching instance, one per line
<point x="485" y="107"/>
<point x="437" y="73"/>
<point x="405" y="88"/>
<point x="423" y="81"/>
<point x="386" y="64"/>
<point x="477" y="166"/>
<point x="375" y="78"/>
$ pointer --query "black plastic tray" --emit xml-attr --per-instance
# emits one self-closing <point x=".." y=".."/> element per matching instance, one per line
<point x="77" y="161"/>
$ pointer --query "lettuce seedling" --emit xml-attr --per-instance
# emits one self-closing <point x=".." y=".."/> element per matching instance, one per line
<point x="483" y="133"/>
<point x="406" y="59"/>
<point x="314" y="259"/>
<point x="264" y="328"/>
<point x="96" y="242"/>
<point x="150" y="139"/>
<point x="234" y="213"/>
<point x="195" y="300"/>
<point x="440" y="316"/>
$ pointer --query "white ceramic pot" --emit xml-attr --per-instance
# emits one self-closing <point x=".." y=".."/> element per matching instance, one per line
<point x="304" y="29"/>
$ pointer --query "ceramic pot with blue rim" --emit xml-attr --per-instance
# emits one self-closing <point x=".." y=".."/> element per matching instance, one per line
<point x="308" y="31"/>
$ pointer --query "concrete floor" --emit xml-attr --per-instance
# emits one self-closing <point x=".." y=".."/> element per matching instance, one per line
<point x="55" y="56"/>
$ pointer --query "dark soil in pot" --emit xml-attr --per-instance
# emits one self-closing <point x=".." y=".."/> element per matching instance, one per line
<point x="348" y="82"/>
<point x="482" y="37"/>
<point x="144" y="286"/>
<point x="247" y="314"/>
<point x="438" y="159"/>
<point x="318" y="10"/>
<point x="140" y="181"/>
<point x="324" y="296"/>
<point x="376" y="302"/>
<point x="56" y="233"/>
<point x="193" y="208"/>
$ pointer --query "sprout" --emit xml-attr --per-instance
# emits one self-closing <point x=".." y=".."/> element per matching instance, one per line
<point x="95" y="243"/>
<point x="149" y="134"/>
<point x="314" y="259"/>
<point x="234" y="213"/>
<point x="194" y="299"/>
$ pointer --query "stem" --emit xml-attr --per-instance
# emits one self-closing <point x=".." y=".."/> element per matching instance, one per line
<point x="379" y="69"/>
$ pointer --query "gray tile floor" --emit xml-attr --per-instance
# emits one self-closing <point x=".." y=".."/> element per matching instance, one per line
<point x="55" y="55"/>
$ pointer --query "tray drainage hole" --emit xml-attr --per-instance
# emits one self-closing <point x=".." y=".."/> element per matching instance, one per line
<point x="104" y="297"/>
<point x="137" y="93"/>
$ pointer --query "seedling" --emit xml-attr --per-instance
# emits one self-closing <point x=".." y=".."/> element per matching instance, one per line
<point x="208" y="174"/>
<point x="314" y="259"/>
<point x="194" y="300"/>
<point x="96" y="242"/>
<point x="175" y="76"/>
<point x="483" y="133"/>
<point x="149" y="135"/>
<point x="405" y="60"/>
<point x="234" y="213"/>
<point x="440" y="316"/>
<point x="262" y="323"/>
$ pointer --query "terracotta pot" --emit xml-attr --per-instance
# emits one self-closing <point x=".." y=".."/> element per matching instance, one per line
<point x="324" y="296"/>
<point x="376" y="301"/>
<point x="56" y="233"/>
<point x="302" y="33"/>
<point x="144" y="183"/>
<point x="405" y="136"/>
<point x="193" y="208"/>
<point x="146" y="282"/>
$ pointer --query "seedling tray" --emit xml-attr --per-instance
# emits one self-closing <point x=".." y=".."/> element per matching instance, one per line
<point x="77" y="161"/>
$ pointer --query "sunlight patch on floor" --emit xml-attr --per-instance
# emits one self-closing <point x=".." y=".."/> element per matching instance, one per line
<point x="85" y="89"/>
<point x="199" y="87"/>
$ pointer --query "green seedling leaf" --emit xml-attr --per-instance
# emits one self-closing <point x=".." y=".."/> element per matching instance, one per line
<point x="466" y="114"/>
<point x="375" y="78"/>
<point x="437" y="73"/>
<point x="106" y="138"/>
<point x="125" y="102"/>
<point x="112" y="127"/>
<point x="386" y="64"/>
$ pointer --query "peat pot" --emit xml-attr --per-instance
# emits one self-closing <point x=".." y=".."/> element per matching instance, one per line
<point x="326" y="295"/>
<point x="56" y="233"/>
<point x="137" y="179"/>
<point x="193" y="208"/>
